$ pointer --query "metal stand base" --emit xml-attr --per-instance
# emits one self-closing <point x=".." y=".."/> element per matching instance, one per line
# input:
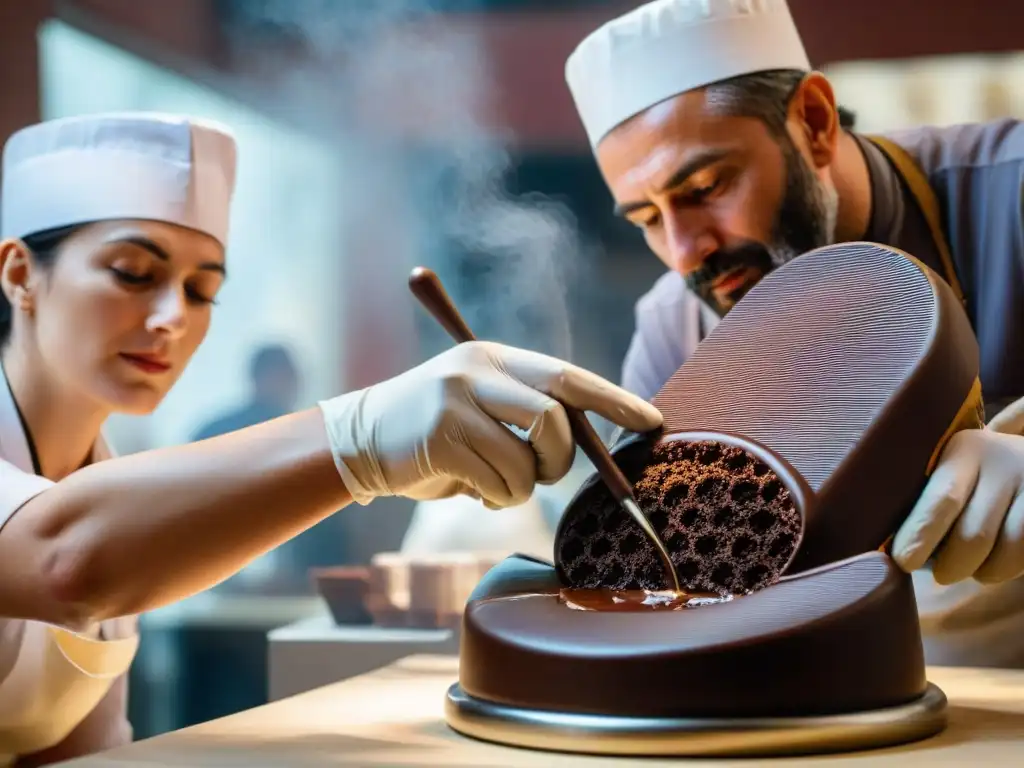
<point x="692" y="737"/>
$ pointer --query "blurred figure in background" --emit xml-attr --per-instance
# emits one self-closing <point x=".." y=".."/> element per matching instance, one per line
<point x="275" y="390"/>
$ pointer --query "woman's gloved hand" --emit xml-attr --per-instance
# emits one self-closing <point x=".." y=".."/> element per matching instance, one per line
<point x="437" y="430"/>
<point x="970" y="517"/>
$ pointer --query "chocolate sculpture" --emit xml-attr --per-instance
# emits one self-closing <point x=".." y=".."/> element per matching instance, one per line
<point x="796" y="440"/>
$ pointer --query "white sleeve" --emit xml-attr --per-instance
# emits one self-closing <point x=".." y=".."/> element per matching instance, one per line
<point x="16" y="488"/>
<point x="667" y="332"/>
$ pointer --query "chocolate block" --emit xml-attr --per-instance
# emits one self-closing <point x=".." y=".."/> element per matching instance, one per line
<point x="439" y="587"/>
<point x="423" y="591"/>
<point x="839" y="378"/>
<point x="387" y="597"/>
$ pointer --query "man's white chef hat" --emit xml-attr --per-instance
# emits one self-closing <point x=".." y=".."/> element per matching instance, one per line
<point x="667" y="47"/>
<point x="154" y="167"/>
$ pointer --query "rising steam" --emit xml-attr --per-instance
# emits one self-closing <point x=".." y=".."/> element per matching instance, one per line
<point x="506" y="260"/>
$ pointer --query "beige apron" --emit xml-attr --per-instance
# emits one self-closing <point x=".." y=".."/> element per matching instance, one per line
<point x="917" y="183"/>
<point x="50" y="678"/>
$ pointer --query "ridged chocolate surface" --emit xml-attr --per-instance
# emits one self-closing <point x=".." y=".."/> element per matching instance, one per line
<point x="849" y="364"/>
<point x="811" y="359"/>
<point x="728" y="519"/>
<point x="839" y="639"/>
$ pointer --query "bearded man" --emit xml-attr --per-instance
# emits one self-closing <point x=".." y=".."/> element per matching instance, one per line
<point x="722" y="144"/>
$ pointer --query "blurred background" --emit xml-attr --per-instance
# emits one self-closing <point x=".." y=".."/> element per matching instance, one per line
<point x="378" y="135"/>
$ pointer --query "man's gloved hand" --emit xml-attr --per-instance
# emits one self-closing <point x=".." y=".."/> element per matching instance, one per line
<point x="436" y="430"/>
<point x="970" y="516"/>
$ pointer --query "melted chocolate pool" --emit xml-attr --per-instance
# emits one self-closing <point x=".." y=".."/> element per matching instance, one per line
<point x="636" y="600"/>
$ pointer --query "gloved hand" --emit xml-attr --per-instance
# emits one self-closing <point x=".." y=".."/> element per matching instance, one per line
<point x="970" y="516"/>
<point x="436" y="430"/>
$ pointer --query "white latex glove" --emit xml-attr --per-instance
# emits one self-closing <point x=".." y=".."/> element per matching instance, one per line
<point x="1010" y="420"/>
<point x="436" y="430"/>
<point x="970" y="516"/>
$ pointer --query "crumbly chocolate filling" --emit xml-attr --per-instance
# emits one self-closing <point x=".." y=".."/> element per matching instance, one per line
<point x="729" y="523"/>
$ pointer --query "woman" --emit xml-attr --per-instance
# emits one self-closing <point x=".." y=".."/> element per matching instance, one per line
<point x="112" y="255"/>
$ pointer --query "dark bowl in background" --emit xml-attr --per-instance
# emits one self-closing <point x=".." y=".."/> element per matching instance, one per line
<point x="344" y="589"/>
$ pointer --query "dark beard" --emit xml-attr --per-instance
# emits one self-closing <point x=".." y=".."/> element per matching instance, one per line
<point x="801" y="225"/>
<point x="750" y="257"/>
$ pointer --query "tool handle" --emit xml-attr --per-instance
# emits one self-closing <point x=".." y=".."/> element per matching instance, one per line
<point x="594" y="448"/>
<point x="426" y="287"/>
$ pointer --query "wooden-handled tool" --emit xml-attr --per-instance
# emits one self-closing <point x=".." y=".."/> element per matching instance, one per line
<point x="427" y="288"/>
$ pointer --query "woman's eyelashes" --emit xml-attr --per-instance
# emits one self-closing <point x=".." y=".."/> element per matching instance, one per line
<point x="135" y="280"/>
<point x="131" y="278"/>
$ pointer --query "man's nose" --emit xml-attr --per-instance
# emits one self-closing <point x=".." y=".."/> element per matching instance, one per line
<point x="690" y="241"/>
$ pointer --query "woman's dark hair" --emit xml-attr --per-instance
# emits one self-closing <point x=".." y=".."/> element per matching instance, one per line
<point x="45" y="246"/>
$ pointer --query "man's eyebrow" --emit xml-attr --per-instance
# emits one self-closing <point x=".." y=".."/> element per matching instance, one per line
<point x="685" y="171"/>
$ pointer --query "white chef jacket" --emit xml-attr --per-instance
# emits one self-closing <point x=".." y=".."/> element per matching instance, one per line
<point x="52" y="679"/>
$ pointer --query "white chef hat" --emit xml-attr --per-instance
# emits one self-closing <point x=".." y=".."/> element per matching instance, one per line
<point x="101" y="167"/>
<point x="667" y="47"/>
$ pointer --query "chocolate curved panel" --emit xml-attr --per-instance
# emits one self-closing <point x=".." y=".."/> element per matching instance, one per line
<point x="843" y="638"/>
<point x="838" y="378"/>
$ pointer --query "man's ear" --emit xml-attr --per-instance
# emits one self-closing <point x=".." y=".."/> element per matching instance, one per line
<point x="15" y="273"/>
<point x="814" y="111"/>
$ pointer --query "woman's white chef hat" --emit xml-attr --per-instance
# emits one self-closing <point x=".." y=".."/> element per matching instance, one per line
<point x="101" y="167"/>
<point x="667" y="47"/>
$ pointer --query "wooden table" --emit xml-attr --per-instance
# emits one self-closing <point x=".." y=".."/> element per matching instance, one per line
<point x="393" y="717"/>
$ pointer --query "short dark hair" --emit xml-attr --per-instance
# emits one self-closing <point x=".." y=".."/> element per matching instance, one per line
<point x="45" y="247"/>
<point x="766" y="96"/>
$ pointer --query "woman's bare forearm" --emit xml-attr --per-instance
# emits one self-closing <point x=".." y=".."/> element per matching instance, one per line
<point x="134" y="533"/>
